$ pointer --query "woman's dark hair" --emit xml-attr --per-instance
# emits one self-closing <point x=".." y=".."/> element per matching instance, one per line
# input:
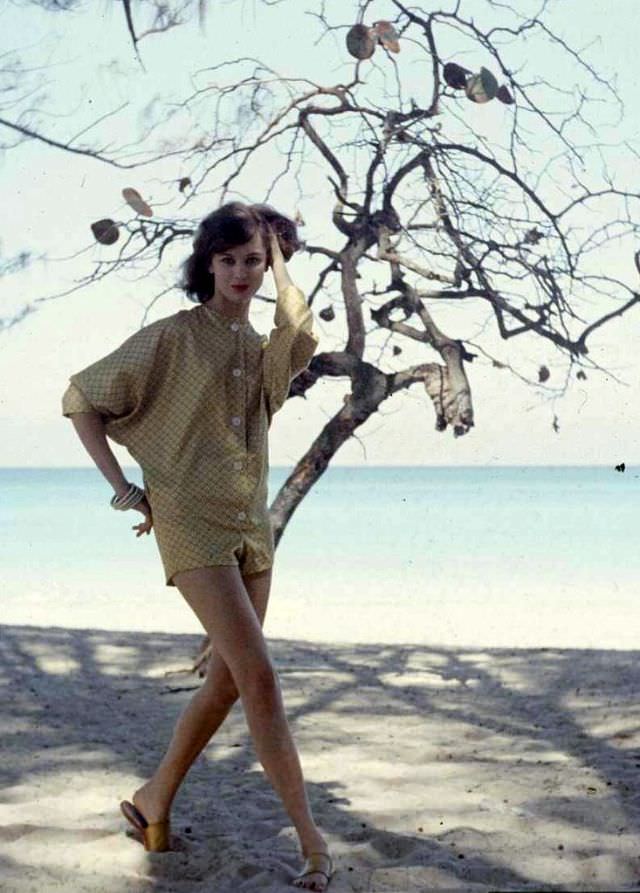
<point x="231" y="225"/>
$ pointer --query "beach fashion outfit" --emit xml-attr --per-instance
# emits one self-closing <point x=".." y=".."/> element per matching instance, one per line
<point x="191" y="396"/>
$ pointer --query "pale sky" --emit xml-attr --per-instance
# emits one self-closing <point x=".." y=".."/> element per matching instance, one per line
<point x="49" y="198"/>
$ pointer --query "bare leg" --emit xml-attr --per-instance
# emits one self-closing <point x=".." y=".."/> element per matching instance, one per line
<point x="220" y="599"/>
<point x="201" y="718"/>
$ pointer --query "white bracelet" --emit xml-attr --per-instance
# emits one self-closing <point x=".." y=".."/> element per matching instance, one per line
<point x="132" y="497"/>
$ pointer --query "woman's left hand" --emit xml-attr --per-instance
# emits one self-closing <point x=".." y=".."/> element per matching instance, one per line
<point x="278" y="263"/>
<point x="146" y="525"/>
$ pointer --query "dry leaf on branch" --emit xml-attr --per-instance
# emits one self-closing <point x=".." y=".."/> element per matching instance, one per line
<point x="504" y="95"/>
<point x="452" y="407"/>
<point x="360" y="42"/>
<point x="533" y="236"/>
<point x="105" y="231"/>
<point x="455" y="75"/>
<point x="482" y="87"/>
<point x="388" y="37"/>
<point x="327" y="313"/>
<point x="543" y="374"/>
<point x="133" y="198"/>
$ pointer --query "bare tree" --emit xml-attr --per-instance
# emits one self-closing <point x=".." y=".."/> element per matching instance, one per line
<point x="489" y="191"/>
<point x="24" y="88"/>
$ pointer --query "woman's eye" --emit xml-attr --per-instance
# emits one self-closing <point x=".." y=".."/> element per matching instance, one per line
<point x="252" y="261"/>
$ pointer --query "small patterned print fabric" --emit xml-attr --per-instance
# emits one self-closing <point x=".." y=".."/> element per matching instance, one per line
<point x="191" y="396"/>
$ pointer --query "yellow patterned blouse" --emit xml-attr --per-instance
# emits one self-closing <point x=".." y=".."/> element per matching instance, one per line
<point x="191" y="396"/>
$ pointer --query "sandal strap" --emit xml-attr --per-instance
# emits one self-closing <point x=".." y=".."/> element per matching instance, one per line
<point x="143" y="823"/>
<point x="313" y="865"/>
<point x="133" y="814"/>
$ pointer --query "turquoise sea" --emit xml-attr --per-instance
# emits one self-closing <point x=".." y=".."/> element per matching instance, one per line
<point x="534" y="541"/>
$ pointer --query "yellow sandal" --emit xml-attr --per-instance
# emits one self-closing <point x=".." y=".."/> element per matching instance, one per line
<point x="155" y="836"/>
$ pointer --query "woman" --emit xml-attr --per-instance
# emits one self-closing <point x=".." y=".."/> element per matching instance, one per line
<point x="191" y="396"/>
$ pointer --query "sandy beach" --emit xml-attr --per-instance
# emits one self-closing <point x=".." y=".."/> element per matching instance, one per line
<point x="429" y="768"/>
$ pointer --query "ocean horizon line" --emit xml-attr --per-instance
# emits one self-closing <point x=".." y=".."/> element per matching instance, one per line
<point x="610" y="465"/>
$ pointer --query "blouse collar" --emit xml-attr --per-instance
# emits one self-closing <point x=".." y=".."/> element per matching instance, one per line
<point x="227" y="320"/>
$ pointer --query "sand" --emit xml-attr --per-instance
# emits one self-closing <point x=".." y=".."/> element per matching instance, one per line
<point x="428" y="768"/>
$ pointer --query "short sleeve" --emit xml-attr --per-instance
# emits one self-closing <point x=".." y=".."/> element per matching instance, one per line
<point x="289" y="348"/>
<point x="73" y="400"/>
<point x="120" y="383"/>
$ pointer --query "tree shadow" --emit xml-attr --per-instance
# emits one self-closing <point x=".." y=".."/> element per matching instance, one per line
<point x="525" y="760"/>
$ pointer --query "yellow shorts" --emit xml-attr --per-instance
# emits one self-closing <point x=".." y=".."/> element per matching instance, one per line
<point x="185" y="546"/>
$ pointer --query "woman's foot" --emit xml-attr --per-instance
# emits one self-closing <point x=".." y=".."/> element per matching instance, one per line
<point x="152" y="807"/>
<point x="318" y="868"/>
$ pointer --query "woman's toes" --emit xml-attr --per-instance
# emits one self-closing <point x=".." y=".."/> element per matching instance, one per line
<point x="317" y="884"/>
<point x="311" y="878"/>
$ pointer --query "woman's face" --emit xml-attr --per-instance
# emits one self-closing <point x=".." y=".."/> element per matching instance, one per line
<point x="243" y="265"/>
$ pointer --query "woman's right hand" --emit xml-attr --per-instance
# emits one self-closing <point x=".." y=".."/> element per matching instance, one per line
<point x="278" y="264"/>
<point x="146" y="525"/>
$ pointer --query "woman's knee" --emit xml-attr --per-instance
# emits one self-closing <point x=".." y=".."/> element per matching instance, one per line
<point x="219" y="681"/>
<point x="259" y="681"/>
<point x="257" y="678"/>
<point x="225" y="693"/>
